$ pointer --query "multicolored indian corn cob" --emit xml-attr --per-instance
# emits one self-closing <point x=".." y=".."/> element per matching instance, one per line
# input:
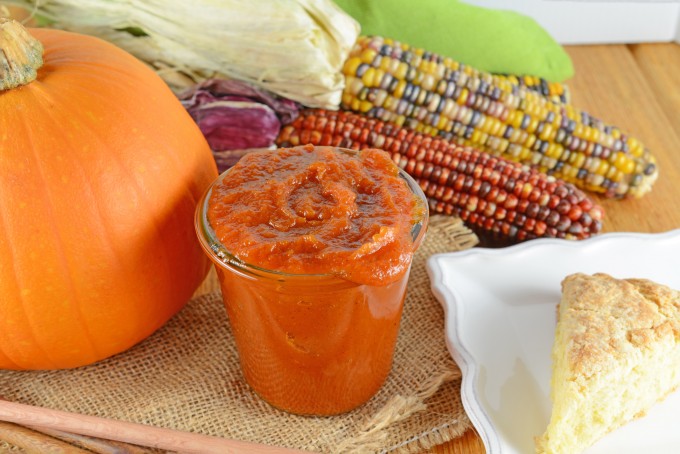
<point x="492" y="194"/>
<point x="437" y="96"/>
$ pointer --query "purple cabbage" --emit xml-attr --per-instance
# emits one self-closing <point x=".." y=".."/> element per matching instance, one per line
<point x="235" y="116"/>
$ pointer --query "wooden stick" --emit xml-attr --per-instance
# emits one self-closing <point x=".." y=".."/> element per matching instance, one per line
<point x="137" y="434"/>
<point x="33" y="442"/>
<point x="96" y="445"/>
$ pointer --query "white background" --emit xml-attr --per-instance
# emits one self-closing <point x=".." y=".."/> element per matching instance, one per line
<point x="595" y="22"/>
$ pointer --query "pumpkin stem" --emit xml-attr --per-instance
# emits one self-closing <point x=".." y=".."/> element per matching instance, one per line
<point x="20" y="55"/>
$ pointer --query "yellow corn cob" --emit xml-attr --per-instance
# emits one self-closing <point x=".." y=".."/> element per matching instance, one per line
<point x="502" y="115"/>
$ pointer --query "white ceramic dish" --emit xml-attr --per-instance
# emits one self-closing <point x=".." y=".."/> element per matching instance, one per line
<point x="500" y="307"/>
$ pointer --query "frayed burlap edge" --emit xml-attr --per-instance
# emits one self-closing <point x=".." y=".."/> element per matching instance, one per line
<point x="372" y="436"/>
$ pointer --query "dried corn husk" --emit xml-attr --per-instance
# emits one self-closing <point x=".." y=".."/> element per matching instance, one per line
<point x="294" y="48"/>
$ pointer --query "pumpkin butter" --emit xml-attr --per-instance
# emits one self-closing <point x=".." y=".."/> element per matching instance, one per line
<point x="318" y="211"/>
<point x="313" y="246"/>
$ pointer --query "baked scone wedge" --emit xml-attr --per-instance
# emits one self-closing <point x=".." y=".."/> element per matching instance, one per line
<point x="616" y="353"/>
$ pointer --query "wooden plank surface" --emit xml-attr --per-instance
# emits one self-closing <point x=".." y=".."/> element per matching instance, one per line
<point x="638" y="89"/>
<point x="660" y="63"/>
<point x="610" y="85"/>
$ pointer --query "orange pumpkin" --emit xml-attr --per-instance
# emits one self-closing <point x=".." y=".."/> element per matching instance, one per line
<point x="100" y="172"/>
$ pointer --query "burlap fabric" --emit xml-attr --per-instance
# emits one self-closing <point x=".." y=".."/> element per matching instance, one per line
<point x="186" y="377"/>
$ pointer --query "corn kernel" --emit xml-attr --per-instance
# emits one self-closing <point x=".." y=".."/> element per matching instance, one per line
<point x="476" y="135"/>
<point x="417" y="59"/>
<point x="608" y="141"/>
<point x="485" y="124"/>
<point x="547" y="132"/>
<point x="368" y="55"/>
<point x="462" y="99"/>
<point x="603" y="167"/>
<point x="379" y="98"/>
<point x="351" y="65"/>
<point x="466" y="117"/>
<point x="573" y="172"/>
<point x="531" y="140"/>
<point x="548" y="162"/>
<point x="552" y="151"/>
<point x="594" y="135"/>
<point x="578" y="132"/>
<point x="365" y="106"/>
<point x="591" y="164"/>
<point x="514" y="151"/>
<point x="353" y="85"/>
<point x="611" y="172"/>
<point x="390" y="103"/>
<point x="577" y="160"/>
<point x="368" y="76"/>
<point x="503" y="145"/>
<point x="635" y="148"/>
<point x="420" y="100"/>
<point x="399" y="90"/>
<point x="455" y="109"/>
<point x="496" y="126"/>
<point x="447" y="110"/>
<point x="594" y="181"/>
<point x="439" y="71"/>
<point x="346" y="98"/>
<point x="441" y="124"/>
<point x="378" y="75"/>
<point x="515" y="136"/>
<point x="402" y="69"/>
<point x="428" y="82"/>
<point x="624" y="163"/>
<point x="394" y="66"/>
<point x="526" y="154"/>
<point x="533" y="125"/>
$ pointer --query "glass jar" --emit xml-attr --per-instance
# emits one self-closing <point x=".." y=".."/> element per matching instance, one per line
<point x="311" y="344"/>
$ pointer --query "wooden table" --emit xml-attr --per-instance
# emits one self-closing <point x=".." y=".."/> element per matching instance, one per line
<point x="636" y="88"/>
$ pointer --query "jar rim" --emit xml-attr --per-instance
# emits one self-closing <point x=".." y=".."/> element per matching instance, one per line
<point x="220" y="254"/>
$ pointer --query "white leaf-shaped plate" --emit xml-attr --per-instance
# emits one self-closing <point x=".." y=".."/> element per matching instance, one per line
<point x="500" y="307"/>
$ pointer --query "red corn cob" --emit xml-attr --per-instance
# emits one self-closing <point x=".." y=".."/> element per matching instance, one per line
<point x="491" y="194"/>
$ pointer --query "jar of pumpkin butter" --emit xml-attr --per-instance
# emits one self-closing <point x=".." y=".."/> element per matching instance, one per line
<point x="313" y="247"/>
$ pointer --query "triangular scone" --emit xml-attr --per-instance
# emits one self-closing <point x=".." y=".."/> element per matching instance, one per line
<point x="616" y="353"/>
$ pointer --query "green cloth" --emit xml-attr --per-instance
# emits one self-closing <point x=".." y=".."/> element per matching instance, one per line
<point x="491" y="40"/>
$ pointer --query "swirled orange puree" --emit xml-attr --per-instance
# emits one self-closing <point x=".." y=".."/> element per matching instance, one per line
<point x="317" y="210"/>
